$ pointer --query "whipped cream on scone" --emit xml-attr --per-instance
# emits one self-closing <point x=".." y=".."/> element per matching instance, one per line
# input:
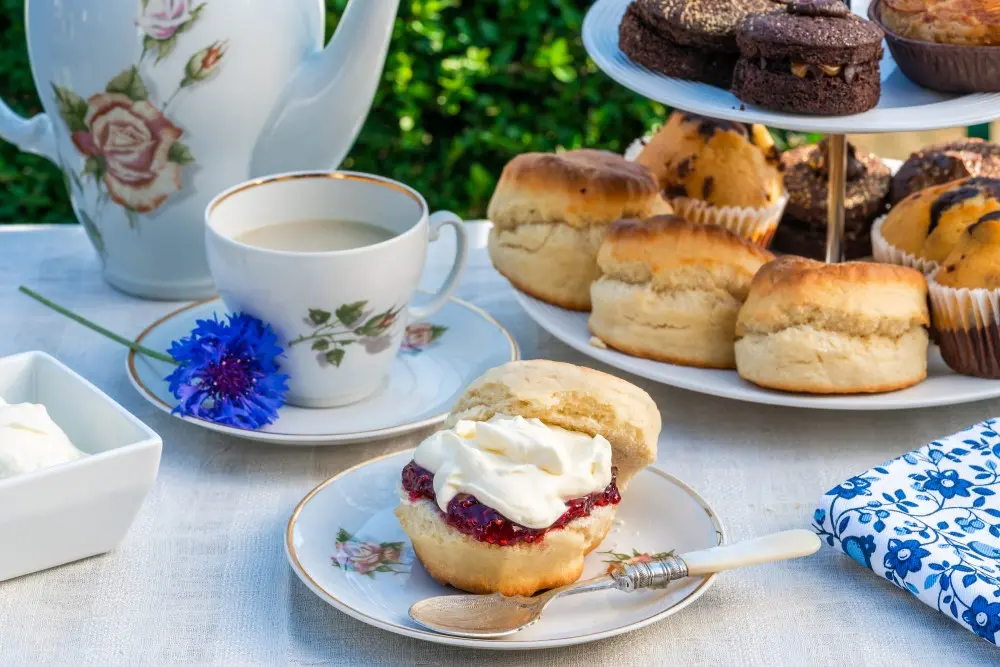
<point x="520" y="467"/>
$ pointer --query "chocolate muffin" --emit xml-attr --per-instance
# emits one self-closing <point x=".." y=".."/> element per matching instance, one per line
<point x="813" y="57"/>
<point x="941" y="163"/>
<point x="803" y="229"/>
<point x="687" y="39"/>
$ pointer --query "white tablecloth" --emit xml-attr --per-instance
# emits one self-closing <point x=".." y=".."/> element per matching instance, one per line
<point x="201" y="579"/>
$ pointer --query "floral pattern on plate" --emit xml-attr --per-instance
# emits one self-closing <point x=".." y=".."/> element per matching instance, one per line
<point x="929" y="522"/>
<point x="369" y="558"/>
<point x="635" y="557"/>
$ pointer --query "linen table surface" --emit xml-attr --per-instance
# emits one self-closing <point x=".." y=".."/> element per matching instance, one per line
<point x="201" y="579"/>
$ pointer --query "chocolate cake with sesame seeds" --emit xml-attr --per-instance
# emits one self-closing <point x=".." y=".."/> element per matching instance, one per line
<point x="811" y="57"/>
<point x="687" y="39"/>
<point x="803" y="228"/>
<point x="941" y="163"/>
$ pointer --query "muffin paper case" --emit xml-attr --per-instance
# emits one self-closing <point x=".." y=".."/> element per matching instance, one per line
<point x="886" y="253"/>
<point x="755" y="224"/>
<point x="929" y="522"/>
<point x="967" y="327"/>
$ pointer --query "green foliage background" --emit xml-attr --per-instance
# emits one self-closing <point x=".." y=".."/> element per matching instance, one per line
<point x="468" y="84"/>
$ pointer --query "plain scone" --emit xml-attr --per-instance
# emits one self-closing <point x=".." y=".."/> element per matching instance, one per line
<point x="848" y="328"/>
<point x="571" y="397"/>
<point x="671" y="290"/>
<point x="550" y="212"/>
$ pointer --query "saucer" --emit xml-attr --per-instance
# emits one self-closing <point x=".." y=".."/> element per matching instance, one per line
<point x="438" y="360"/>
<point x="345" y="544"/>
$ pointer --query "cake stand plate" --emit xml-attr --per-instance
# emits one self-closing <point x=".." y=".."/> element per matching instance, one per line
<point x="942" y="386"/>
<point x="904" y="106"/>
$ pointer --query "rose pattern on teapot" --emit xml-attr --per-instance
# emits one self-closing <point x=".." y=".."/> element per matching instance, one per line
<point x="130" y="147"/>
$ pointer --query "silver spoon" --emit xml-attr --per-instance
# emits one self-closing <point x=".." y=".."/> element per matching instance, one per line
<point x="491" y="616"/>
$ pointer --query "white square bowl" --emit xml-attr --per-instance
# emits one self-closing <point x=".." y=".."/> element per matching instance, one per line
<point x="82" y="508"/>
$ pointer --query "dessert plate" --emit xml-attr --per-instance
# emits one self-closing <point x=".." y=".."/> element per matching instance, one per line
<point x="904" y="106"/>
<point x="345" y="544"/>
<point x="438" y="360"/>
<point x="942" y="387"/>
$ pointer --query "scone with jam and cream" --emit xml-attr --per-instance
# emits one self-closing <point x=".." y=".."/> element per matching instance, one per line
<point x="525" y="479"/>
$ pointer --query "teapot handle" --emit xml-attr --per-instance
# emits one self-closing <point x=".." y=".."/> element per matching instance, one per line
<point x="32" y="135"/>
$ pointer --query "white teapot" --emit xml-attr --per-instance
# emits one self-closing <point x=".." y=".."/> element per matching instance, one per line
<point x="155" y="106"/>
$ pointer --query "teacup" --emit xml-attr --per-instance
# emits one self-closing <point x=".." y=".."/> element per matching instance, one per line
<point x="339" y="314"/>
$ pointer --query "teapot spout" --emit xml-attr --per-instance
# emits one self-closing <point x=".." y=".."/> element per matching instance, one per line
<point x="325" y="105"/>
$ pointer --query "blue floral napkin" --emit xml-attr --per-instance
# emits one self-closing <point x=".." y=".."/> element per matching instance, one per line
<point x="929" y="522"/>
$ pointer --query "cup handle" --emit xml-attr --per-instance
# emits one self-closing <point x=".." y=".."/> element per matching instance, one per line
<point x="437" y="221"/>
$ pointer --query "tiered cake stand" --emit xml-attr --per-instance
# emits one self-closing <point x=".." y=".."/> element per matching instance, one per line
<point x="904" y="106"/>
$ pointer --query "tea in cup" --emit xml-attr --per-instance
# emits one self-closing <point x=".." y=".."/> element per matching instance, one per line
<point x="331" y="260"/>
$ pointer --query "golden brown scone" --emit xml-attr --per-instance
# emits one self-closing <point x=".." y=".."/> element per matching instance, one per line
<point x="718" y="161"/>
<point x="928" y="223"/>
<point x="574" y="398"/>
<point x="671" y="290"/>
<point x="975" y="261"/>
<point x="855" y="327"/>
<point x="453" y="558"/>
<point x="966" y="22"/>
<point x="550" y="211"/>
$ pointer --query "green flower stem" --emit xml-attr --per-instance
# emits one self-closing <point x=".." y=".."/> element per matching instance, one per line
<point x="135" y="347"/>
<point x="327" y="336"/>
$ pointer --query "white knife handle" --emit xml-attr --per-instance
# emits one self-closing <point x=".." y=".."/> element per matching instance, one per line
<point x="767" y="549"/>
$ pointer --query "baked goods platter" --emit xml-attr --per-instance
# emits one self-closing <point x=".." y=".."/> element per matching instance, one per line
<point x="700" y="296"/>
<point x="694" y="299"/>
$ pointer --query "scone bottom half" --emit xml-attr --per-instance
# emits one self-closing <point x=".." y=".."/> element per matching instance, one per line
<point x="472" y="546"/>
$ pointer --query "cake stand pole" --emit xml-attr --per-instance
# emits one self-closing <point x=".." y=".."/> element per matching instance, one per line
<point x="836" y="162"/>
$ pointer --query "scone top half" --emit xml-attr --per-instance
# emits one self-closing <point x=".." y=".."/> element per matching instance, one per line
<point x="573" y="398"/>
<point x="667" y="253"/>
<point x="578" y="188"/>
<point x="852" y="298"/>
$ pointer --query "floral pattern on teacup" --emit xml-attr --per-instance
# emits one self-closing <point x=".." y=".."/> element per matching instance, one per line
<point x="369" y="558"/>
<point x="350" y="324"/>
<point x="420" y="336"/>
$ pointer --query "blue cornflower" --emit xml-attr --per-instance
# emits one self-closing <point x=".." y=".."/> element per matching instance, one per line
<point x="228" y="373"/>
<point x="905" y="556"/>
<point x="947" y="483"/>
<point x="983" y="617"/>
<point x="855" y="486"/>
